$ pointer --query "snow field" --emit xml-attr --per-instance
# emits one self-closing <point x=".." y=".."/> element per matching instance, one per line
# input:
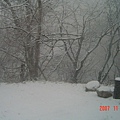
<point x="53" y="101"/>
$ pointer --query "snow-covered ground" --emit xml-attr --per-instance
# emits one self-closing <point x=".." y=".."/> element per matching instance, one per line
<point x="54" y="101"/>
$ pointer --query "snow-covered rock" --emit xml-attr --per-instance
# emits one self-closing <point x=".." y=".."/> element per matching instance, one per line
<point x="104" y="92"/>
<point x="105" y="88"/>
<point x="117" y="78"/>
<point x="92" y="86"/>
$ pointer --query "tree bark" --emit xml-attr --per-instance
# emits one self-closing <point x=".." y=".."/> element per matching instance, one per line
<point x="37" y="42"/>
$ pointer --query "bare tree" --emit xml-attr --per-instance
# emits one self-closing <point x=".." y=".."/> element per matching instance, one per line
<point x="113" y="18"/>
<point x="24" y="26"/>
<point x="77" y="37"/>
<point x="24" y="34"/>
<point x="45" y="37"/>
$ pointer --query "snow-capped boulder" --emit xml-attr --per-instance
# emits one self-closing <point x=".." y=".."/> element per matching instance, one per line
<point x="104" y="92"/>
<point x="117" y="78"/>
<point x="92" y="86"/>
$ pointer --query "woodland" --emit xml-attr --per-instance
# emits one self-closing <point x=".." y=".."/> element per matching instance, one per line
<point x="59" y="40"/>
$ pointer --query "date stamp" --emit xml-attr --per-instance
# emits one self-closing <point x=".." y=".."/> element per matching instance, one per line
<point x="107" y="108"/>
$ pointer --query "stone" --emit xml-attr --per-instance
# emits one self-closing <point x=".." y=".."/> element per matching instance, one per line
<point x="104" y="92"/>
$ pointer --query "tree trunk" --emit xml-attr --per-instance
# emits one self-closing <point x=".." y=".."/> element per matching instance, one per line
<point x="37" y="42"/>
<point x="29" y="49"/>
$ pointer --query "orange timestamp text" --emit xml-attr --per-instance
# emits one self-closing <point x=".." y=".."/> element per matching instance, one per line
<point x="107" y="108"/>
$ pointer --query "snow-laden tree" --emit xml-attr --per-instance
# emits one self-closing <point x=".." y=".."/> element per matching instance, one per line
<point x="65" y="40"/>
<point x="112" y="12"/>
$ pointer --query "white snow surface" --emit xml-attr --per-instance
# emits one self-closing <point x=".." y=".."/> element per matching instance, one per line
<point x="93" y="85"/>
<point x="53" y="101"/>
<point x="117" y="78"/>
<point x="106" y="88"/>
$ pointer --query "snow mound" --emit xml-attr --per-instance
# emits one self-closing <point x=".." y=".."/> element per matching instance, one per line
<point x="105" y="88"/>
<point x="92" y="86"/>
<point x="117" y="78"/>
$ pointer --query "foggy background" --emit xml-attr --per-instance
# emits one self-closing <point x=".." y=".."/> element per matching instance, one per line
<point x="59" y="40"/>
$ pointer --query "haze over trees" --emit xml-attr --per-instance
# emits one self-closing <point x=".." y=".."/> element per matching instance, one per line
<point x="60" y="40"/>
